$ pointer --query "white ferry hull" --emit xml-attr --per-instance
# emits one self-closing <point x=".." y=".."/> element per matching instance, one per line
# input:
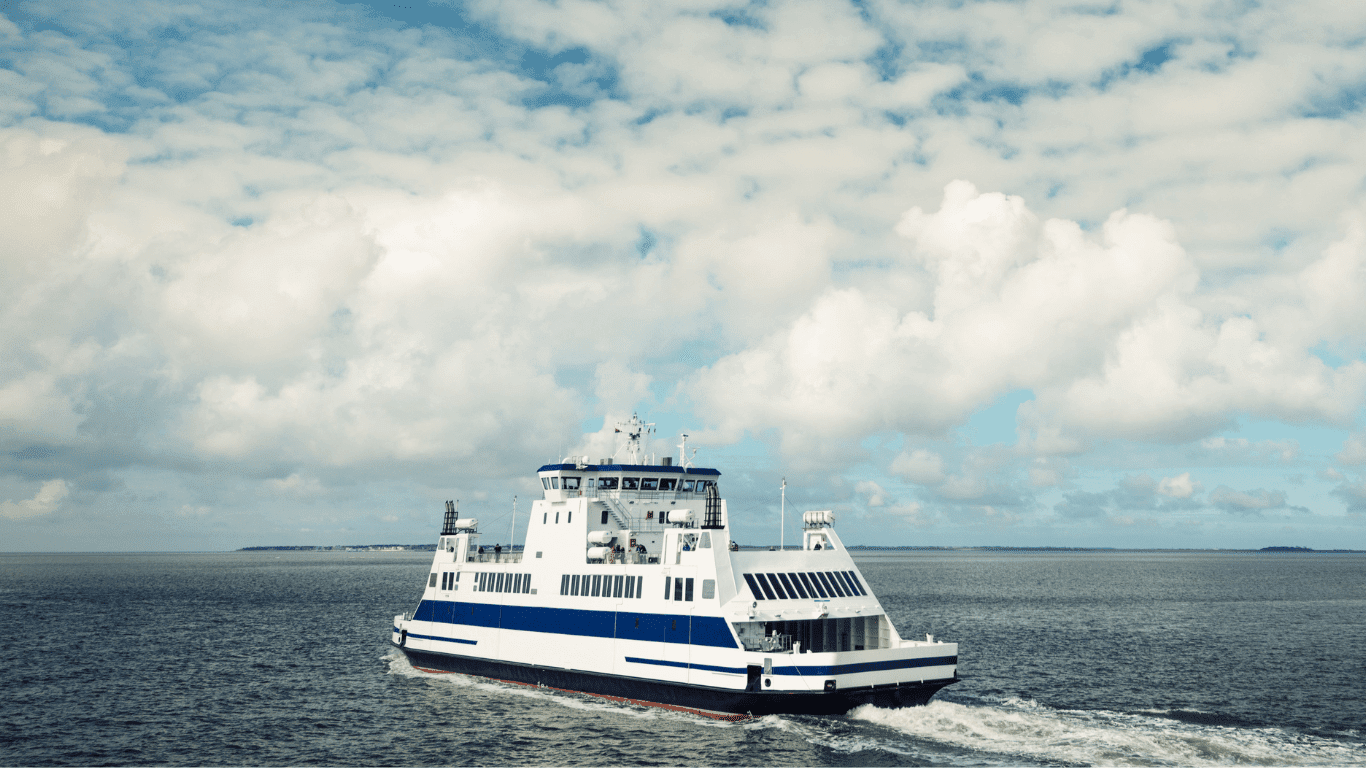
<point x="704" y="700"/>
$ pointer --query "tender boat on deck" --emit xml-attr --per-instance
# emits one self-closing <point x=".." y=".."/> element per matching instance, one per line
<point x="629" y="586"/>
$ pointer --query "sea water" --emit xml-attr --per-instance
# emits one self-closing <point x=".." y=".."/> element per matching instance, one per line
<point x="1087" y="658"/>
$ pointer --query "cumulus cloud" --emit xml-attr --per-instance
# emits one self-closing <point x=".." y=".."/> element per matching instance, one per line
<point x="46" y="501"/>
<point x="1247" y="502"/>
<point x="919" y="466"/>
<point x="1179" y="487"/>
<point x="374" y="250"/>
<point x="1105" y="329"/>
<point x="1353" y="451"/>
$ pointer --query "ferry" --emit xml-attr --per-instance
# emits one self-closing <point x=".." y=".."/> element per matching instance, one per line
<point x="630" y="586"/>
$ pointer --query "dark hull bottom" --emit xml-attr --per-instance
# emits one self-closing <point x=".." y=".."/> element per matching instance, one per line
<point x="700" y="699"/>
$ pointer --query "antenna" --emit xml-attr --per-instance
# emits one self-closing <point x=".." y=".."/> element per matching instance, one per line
<point x="782" y="532"/>
<point x="512" y="535"/>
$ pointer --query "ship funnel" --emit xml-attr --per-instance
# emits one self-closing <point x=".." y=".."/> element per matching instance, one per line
<point x="452" y="515"/>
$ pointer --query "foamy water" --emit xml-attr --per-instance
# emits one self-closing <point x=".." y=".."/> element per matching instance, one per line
<point x="1015" y="728"/>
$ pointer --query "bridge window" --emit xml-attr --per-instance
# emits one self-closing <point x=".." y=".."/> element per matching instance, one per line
<point x="555" y="483"/>
<point x="545" y="481"/>
<point x="667" y="483"/>
<point x="571" y="483"/>
<point x="607" y="483"/>
<point x="630" y="483"/>
<point x="688" y="486"/>
<point x="649" y="484"/>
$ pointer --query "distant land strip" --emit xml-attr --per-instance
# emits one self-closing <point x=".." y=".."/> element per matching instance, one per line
<point x="856" y="547"/>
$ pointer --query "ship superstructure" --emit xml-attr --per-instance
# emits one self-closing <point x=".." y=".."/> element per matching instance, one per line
<point x="630" y="586"/>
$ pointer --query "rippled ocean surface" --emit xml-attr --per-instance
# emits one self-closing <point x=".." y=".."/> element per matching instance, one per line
<point x="280" y="658"/>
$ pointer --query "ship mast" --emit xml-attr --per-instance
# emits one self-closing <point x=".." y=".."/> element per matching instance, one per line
<point x="634" y="429"/>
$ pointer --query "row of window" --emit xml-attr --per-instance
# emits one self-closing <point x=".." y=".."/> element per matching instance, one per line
<point x="545" y="516"/>
<point x="682" y="588"/>
<point x="598" y="585"/>
<point x="628" y="484"/>
<point x="487" y="582"/>
<point x="502" y="582"/>
<point x="805" y="586"/>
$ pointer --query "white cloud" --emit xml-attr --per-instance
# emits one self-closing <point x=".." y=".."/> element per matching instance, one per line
<point x="919" y="466"/>
<point x="47" y="500"/>
<point x="874" y="494"/>
<point x="1179" y="487"/>
<point x="1246" y="502"/>
<point x="1353" y="451"/>
<point x="363" y="248"/>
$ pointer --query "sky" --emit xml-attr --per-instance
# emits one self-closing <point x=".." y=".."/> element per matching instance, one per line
<point x="967" y="273"/>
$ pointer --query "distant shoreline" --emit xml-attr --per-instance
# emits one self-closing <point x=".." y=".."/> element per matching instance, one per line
<point x="853" y="548"/>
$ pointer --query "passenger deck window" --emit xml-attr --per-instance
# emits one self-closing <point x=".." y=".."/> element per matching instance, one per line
<point x="649" y="484"/>
<point x="826" y="583"/>
<point x="678" y="589"/>
<point x="564" y="584"/>
<point x="597" y="584"/>
<point x="617" y="585"/>
<point x="787" y="585"/>
<point x="666" y="587"/>
<point x="640" y="587"/>
<point x="708" y="589"/>
<point x="432" y="583"/>
<point x="574" y="586"/>
<point x="630" y="588"/>
<point x="630" y="483"/>
<point x="687" y="590"/>
<point x="667" y="483"/>
<point x="754" y="587"/>
<point x="840" y="586"/>
<point x="816" y="585"/>
<point x="777" y="587"/>
<point x="763" y="584"/>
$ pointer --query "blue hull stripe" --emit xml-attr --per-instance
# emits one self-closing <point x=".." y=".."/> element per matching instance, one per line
<point x="686" y="665"/>
<point x="813" y="671"/>
<point x="443" y="639"/>
<point x="681" y="629"/>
